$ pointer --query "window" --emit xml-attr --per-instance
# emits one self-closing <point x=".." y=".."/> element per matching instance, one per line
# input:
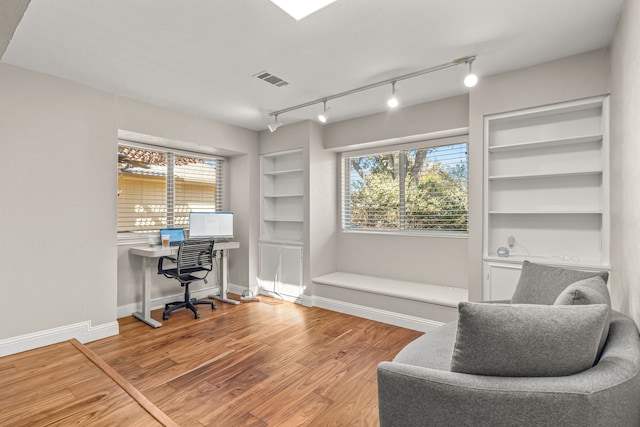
<point x="420" y="188"/>
<point x="158" y="188"/>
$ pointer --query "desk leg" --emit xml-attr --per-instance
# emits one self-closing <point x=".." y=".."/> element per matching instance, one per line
<point x="145" y="315"/>
<point x="223" y="292"/>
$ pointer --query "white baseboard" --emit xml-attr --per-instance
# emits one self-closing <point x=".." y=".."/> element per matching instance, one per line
<point x="82" y="331"/>
<point x="392" y="318"/>
<point x="236" y="289"/>
<point x="128" y="309"/>
<point x="288" y="298"/>
<point x="397" y="319"/>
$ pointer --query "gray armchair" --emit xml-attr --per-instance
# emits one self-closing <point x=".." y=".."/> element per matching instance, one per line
<point x="417" y="388"/>
<point x="420" y="388"/>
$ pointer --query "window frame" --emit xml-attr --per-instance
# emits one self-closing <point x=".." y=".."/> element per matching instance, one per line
<point x="221" y="183"/>
<point x="380" y="149"/>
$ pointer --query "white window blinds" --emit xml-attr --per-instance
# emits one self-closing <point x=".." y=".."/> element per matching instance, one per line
<point x="158" y="188"/>
<point x="421" y="188"/>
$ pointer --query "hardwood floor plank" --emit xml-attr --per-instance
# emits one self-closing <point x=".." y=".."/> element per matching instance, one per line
<point x="258" y="364"/>
<point x="225" y="368"/>
<point x="356" y="405"/>
<point x="270" y="390"/>
<point x="18" y="416"/>
<point x="146" y="404"/>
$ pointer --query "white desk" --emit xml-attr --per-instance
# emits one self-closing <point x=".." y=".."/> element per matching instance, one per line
<point x="149" y="255"/>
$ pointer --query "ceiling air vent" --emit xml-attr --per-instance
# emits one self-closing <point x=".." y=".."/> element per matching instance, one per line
<point x="270" y="78"/>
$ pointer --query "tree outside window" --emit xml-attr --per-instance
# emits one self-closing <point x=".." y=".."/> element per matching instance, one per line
<point x="422" y="189"/>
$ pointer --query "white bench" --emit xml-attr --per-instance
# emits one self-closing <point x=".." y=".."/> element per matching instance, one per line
<point x="447" y="296"/>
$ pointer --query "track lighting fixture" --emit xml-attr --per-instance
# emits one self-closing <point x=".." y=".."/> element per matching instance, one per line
<point x="323" y="117"/>
<point x="275" y="125"/>
<point x="470" y="81"/>
<point x="392" y="102"/>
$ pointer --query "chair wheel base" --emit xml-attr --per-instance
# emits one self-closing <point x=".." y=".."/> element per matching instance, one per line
<point x="188" y="303"/>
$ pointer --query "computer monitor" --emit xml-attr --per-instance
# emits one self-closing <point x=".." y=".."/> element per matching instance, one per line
<point x="218" y="225"/>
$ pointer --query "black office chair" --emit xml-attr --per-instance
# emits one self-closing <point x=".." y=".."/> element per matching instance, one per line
<point x="194" y="256"/>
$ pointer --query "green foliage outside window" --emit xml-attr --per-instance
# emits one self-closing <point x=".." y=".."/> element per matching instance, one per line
<point x="420" y="189"/>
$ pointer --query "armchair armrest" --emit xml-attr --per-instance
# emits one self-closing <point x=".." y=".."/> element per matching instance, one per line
<point x="411" y="395"/>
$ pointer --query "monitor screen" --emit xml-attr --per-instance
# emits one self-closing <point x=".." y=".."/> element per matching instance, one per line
<point x="176" y="235"/>
<point x="211" y="224"/>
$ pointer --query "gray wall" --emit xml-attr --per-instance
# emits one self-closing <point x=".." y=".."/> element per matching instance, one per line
<point x="320" y="203"/>
<point x="435" y="260"/>
<point x="240" y="146"/>
<point x="58" y="192"/>
<point x="58" y="142"/>
<point x="323" y="208"/>
<point x="11" y="13"/>
<point x="576" y="77"/>
<point x="625" y="155"/>
<point x="446" y="261"/>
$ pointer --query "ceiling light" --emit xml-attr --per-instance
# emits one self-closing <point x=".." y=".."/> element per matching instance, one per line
<point x="275" y="125"/>
<point x="323" y="117"/>
<point x="471" y="79"/>
<point x="392" y="102"/>
<point x="298" y="9"/>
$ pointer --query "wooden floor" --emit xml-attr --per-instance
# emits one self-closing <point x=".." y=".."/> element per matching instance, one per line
<point x="255" y="364"/>
<point x="58" y="385"/>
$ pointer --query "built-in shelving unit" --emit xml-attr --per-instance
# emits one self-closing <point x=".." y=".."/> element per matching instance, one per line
<point x="547" y="187"/>
<point x="282" y="222"/>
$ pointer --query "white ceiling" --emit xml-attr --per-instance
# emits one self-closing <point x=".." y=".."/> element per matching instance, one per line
<point x="200" y="56"/>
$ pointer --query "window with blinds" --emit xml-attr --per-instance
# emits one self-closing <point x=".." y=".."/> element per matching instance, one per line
<point x="413" y="189"/>
<point x="158" y="188"/>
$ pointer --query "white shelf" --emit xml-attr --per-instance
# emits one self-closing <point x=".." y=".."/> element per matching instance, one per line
<point x="282" y="210"/>
<point x="556" y="260"/>
<point x="277" y="196"/>
<point x="546" y="143"/>
<point x="282" y="242"/>
<point x="545" y="175"/>
<point x="283" y="172"/>
<point x="549" y="212"/>
<point x="546" y="185"/>
<point x="282" y="220"/>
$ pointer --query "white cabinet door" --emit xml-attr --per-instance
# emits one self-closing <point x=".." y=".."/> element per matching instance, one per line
<point x="500" y="280"/>
<point x="281" y="269"/>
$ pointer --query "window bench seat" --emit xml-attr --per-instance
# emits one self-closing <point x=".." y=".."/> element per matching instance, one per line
<point x="447" y="296"/>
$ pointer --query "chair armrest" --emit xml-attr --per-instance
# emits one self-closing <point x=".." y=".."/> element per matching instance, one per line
<point x="161" y="263"/>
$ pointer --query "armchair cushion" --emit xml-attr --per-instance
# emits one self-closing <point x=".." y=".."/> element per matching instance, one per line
<point x="542" y="284"/>
<point x="588" y="291"/>
<point x="527" y="340"/>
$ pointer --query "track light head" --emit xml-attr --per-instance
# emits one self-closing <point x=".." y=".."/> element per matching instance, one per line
<point x="275" y="125"/>
<point x="471" y="79"/>
<point x="393" y="102"/>
<point x="323" y="117"/>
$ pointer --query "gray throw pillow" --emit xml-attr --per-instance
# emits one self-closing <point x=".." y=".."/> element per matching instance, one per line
<point x="527" y="340"/>
<point x="588" y="291"/>
<point x="541" y="284"/>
